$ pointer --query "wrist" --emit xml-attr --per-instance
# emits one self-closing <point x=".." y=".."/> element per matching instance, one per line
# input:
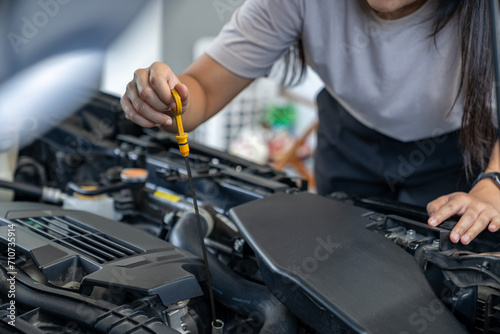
<point x="487" y="189"/>
<point x="493" y="177"/>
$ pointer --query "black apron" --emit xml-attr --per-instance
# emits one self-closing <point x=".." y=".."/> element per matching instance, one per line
<point x="360" y="161"/>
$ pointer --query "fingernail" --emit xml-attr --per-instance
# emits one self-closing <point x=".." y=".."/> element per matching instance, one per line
<point x="168" y="121"/>
<point x="493" y="227"/>
<point x="465" y="239"/>
<point x="454" y="237"/>
<point x="173" y="106"/>
<point x="432" y="221"/>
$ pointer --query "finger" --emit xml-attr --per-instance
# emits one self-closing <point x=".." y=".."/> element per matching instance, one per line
<point x="456" y="204"/>
<point x="184" y="95"/>
<point x="162" y="79"/>
<point x="145" y="110"/>
<point x="134" y="116"/>
<point x="433" y="206"/>
<point x="141" y="85"/>
<point x="464" y="224"/>
<point x="479" y="225"/>
<point x="495" y="224"/>
<point x="125" y="103"/>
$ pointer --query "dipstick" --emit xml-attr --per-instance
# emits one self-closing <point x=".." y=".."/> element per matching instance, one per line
<point x="184" y="149"/>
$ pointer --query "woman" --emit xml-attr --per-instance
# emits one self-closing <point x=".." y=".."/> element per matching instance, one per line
<point x="406" y="82"/>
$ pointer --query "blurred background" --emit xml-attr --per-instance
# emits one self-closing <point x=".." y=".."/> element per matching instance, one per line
<point x="58" y="53"/>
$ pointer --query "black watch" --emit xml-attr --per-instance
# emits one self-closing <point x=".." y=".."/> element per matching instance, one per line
<point x="495" y="176"/>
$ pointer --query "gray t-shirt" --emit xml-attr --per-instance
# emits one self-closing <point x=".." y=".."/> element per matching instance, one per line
<point x="390" y="75"/>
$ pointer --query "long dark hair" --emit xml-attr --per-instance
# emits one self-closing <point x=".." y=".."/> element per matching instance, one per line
<point x="477" y="134"/>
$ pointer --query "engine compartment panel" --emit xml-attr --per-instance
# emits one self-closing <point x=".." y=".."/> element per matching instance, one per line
<point x="327" y="259"/>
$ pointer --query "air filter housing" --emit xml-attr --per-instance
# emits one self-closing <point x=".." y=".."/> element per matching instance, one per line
<point x="79" y="250"/>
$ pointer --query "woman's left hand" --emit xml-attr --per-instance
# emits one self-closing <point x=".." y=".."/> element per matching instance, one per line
<point x="480" y="208"/>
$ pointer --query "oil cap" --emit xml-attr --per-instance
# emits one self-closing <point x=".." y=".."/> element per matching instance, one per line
<point x="134" y="175"/>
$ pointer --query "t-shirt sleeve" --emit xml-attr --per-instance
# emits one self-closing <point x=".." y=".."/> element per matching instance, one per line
<point x="259" y="33"/>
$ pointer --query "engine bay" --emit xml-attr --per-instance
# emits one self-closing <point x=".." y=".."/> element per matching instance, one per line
<point x="100" y="237"/>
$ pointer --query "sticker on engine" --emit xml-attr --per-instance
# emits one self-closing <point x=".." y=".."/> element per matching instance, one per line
<point x="166" y="196"/>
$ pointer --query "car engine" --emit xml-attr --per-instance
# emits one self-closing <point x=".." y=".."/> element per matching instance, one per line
<point x="100" y="237"/>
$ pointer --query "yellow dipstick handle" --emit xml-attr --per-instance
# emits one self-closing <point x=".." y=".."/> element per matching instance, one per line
<point x="182" y="136"/>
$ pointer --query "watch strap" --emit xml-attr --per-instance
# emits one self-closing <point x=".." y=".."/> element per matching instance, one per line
<point x="495" y="176"/>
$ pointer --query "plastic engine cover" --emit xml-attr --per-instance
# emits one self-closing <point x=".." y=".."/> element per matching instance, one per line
<point x="83" y="250"/>
<point x="318" y="258"/>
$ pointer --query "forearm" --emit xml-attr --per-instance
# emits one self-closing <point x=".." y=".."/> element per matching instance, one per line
<point x="494" y="164"/>
<point x="211" y="87"/>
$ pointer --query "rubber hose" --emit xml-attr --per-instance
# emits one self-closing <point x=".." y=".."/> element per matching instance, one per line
<point x="56" y="305"/>
<point x="279" y="321"/>
<point x="97" y="315"/>
<point x="22" y="188"/>
<point x="25" y="161"/>
<point x="236" y="293"/>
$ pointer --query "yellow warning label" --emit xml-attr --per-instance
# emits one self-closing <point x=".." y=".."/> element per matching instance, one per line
<point x="166" y="196"/>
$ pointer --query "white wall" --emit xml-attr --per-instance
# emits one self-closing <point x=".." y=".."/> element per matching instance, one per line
<point x="188" y="21"/>
<point x="165" y="30"/>
<point x="137" y="46"/>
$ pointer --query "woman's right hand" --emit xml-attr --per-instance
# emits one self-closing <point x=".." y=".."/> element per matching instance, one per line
<point x="148" y="101"/>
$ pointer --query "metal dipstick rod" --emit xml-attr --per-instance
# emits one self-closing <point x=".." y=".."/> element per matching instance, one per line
<point x="217" y="325"/>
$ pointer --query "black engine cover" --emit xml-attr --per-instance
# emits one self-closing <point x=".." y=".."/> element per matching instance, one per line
<point x="318" y="258"/>
<point x="79" y="250"/>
